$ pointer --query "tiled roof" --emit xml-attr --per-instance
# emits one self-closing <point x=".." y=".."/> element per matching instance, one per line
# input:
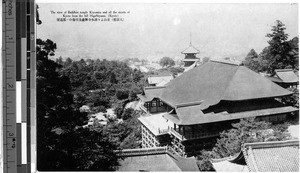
<point x="226" y="166"/>
<point x="284" y="76"/>
<point x="158" y="78"/>
<point x="287" y="75"/>
<point x="151" y="93"/>
<point x="216" y="81"/>
<point x="157" y="161"/>
<point x="193" y="115"/>
<point x="275" y="156"/>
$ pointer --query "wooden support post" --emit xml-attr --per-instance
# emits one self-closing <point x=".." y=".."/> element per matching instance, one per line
<point x="157" y="105"/>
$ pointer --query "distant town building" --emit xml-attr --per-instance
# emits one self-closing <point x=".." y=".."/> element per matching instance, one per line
<point x="159" y="80"/>
<point x="143" y="69"/>
<point x="274" y="156"/>
<point x="201" y="103"/>
<point x="285" y="78"/>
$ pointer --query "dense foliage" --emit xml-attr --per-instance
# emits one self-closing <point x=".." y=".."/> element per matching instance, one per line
<point x="280" y="54"/>
<point x="125" y="134"/>
<point x="166" y="62"/>
<point x="246" y="131"/>
<point x="62" y="143"/>
<point x="102" y="83"/>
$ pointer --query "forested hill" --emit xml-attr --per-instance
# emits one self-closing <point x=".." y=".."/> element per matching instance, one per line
<point x="101" y="84"/>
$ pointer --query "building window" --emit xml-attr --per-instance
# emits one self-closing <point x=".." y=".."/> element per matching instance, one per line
<point x="161" y="103"/>
<point x="154" y="103"/>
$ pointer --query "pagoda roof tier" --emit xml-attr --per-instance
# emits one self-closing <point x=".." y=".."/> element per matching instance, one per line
<point x="190" y="59"/>
<point x="190" y="50"/>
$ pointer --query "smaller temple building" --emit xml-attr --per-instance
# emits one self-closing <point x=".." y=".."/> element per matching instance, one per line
<point x="273" y="156"/>
<point x="285" y="78"/>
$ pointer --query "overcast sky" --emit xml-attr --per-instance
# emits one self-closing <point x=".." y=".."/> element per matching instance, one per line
<point x="156" y="30"/>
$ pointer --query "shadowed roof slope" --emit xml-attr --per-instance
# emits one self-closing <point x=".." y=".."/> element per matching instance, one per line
<point x="216" y="81"/>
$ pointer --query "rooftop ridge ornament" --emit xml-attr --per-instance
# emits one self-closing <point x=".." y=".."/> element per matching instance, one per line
<point x="191" y="49"/>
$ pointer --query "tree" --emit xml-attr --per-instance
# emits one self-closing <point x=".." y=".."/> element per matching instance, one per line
<point x="127" y="113"/>
<point x="203" y="161"/>
<point x="93" y="150"/>
<point x="205" y="60"/>
<point x="59" y="61"/>
<point x="55" y="109"/>
<point x="166" y="62"/>
<point x="68" y="62"/>
<point x="279" y="50"/>
<point x="119" y="109"/>
<point x="247" y="131"/>
<point x="252" y="61"/>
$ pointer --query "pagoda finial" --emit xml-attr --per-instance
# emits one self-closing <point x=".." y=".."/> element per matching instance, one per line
<point x="190" y="38"/>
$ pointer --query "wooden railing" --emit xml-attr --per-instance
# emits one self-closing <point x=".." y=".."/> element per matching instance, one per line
<point x="148" y="151"/>
<point x="176" y="134"/>
<point x="142" y="151"/>
<point x="163" y="131"/>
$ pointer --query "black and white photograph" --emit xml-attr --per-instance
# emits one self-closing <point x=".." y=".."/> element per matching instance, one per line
<point x="161" y="87"/>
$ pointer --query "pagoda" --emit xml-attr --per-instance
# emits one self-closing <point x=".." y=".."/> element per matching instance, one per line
<point x="190" y="55"/>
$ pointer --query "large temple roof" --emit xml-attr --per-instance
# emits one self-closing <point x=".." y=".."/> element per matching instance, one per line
<point x="215" y="81"/>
